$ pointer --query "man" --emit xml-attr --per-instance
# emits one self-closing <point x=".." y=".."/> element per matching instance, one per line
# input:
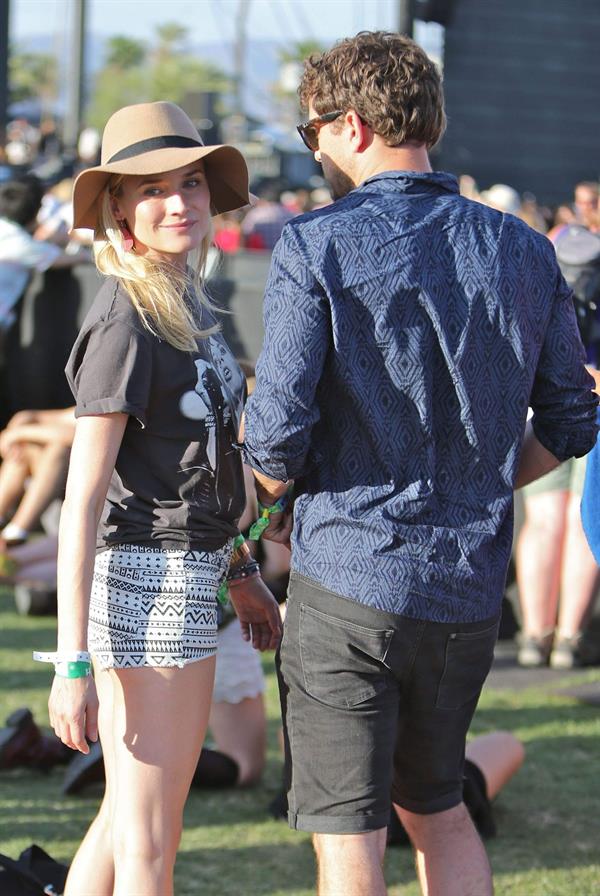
<point x="406" y="331"/>
<point x="586" y="204"/>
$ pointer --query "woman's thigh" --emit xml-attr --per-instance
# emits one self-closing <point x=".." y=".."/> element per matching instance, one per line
<point x="152" y="725"/>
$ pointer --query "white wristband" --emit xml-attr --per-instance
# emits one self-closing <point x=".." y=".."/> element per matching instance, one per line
<point x="70" y="656"/>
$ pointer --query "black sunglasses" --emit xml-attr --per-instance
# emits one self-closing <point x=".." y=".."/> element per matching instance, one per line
<point x="309" y="131"/>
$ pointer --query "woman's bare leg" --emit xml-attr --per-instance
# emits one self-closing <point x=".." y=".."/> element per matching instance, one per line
<point x="539" y="557"/>
<point x="240" y="732"/>
<point x="37" y="550"/>
<point x="151" y="734"/>
<point x="498" y="755"/>
<point x="579" y="575"/>
<point x="48" y="482"/>
<point x="13" y="475"/>
<point x="92" y="870"/>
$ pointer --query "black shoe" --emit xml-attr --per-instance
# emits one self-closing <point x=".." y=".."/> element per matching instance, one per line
<point x="83" y="770"/>
<point x="278" y="807"/>
<point x="23" y="744"/>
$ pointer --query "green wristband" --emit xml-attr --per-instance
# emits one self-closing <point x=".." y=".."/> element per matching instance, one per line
<point x="223" y="593"/>
<point x="80" y="669"/>
<point x="265" y="513"/>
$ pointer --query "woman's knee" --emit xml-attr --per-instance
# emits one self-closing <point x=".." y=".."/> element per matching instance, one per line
<point x="251" y="768"/>
<point x="145" y="842"/>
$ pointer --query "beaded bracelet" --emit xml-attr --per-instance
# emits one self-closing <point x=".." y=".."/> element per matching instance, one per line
<point x="238" y="574"/>
<point x="242" y="572"/>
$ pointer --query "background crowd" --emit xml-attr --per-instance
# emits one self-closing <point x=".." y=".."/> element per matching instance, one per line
<point x="556" y="573"/>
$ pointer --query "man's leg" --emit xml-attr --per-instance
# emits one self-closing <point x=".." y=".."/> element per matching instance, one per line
<point x="440" y="697"/>
<point x="450" y="857"/>
<point x="340" y="711"/>
<point x="350" y="864"/>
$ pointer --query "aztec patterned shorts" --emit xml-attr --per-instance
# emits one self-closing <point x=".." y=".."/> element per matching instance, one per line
<point x="154" y="606"/>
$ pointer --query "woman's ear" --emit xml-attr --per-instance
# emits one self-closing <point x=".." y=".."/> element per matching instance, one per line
<point x="115" y="208"/>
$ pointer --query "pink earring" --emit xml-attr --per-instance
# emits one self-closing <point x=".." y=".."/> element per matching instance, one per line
<point x="127" y="236"/>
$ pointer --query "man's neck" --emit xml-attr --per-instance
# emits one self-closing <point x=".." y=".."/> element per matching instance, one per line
<point x="379" y="158"/>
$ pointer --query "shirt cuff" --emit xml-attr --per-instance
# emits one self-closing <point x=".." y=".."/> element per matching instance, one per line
<point x="568" y="443"/>
<point x="111" y="406"/>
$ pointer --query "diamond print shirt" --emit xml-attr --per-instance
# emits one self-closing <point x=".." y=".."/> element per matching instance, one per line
<point x="407" y="329"/>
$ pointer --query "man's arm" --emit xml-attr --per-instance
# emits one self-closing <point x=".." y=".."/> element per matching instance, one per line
<point x="562" y="398"/>
<point x="283" y="409"/>
<point x="535" y="460"/>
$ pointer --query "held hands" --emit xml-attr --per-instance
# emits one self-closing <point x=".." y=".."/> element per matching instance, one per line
<point x="73" y="708"/>
<point x="257" y="611"/>
<point x="280" y="527"/>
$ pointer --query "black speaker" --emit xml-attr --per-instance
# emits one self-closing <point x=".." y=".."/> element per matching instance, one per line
<point x="441" y="11"/>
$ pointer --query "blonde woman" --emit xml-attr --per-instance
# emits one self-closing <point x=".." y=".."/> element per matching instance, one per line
<point x="155" y="489"/>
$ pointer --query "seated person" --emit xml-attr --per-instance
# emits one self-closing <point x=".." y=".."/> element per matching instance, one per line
<point x="35" y="448"/>
<point x="20" y="253"/>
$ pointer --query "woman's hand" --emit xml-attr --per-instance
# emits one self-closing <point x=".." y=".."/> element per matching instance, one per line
<point x="73" y="708"/>
<point x="258" y="612"/>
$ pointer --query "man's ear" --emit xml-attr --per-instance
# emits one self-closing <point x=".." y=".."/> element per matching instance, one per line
<point x="360" y="133"/>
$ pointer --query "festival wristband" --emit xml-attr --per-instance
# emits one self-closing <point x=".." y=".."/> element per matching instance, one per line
<point x="69" y="656"/>
<point x="223" y="593"/>
<point x="79" y="669"/>
<point x="265" y="514"/>
<point x="240" y="552"/>
<point x="70" y="664"/>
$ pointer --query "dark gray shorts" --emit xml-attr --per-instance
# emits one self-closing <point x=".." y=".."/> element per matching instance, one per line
<point x="376" y="708"/>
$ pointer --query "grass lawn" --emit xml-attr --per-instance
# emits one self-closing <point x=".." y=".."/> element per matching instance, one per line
<point x="548" y="817"/>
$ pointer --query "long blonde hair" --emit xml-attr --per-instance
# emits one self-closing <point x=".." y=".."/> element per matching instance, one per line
<point x="167" y="299"/>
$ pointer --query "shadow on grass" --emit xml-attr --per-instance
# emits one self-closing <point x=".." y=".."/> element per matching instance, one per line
<point x="280" y="867"/>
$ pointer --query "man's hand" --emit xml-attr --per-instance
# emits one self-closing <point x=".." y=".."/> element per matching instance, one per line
<point x="257" y="611"/>
<point x="280" y="527"/>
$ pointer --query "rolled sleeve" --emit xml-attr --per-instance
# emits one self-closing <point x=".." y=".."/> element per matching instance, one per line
<point x="110" y="371"/>
<point x="282" y="411"/>
<point x="562" y="400"/>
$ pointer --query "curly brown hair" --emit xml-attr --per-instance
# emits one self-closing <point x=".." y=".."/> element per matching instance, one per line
<point x="387" y="79"/>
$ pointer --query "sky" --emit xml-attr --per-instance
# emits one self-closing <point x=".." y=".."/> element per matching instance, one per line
<point x="209" y="21"/>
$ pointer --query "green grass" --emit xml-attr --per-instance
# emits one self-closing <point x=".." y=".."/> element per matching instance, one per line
<point x="548" y="817"/>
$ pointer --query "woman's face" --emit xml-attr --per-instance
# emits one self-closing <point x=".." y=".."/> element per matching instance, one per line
<point x="168" y="214"/>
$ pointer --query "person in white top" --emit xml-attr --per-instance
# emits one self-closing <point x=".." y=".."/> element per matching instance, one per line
<point x="20" y="252"/>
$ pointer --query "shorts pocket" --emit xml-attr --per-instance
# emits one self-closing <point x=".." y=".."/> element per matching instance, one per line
<point x="342" y="662"/>
<point x="468" y="660"/>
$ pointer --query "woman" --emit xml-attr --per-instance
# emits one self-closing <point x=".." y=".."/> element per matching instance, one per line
<point x="154" y="461"/>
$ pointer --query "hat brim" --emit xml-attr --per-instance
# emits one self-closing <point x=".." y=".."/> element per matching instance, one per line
<point x="225" y="167"/>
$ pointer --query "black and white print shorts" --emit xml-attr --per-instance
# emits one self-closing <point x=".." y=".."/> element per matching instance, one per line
<point x="154" y="606"/>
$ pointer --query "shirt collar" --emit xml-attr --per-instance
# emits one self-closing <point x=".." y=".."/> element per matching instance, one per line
<point x="413" y="181"/>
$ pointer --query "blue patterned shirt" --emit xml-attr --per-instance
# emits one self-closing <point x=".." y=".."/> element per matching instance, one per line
<point x="407" y="329"/>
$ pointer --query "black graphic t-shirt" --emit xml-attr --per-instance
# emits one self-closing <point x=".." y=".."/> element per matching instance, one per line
<point x="178" y="479"/>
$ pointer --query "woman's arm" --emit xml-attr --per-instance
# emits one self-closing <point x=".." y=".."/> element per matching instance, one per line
<point x="73" y="702"/>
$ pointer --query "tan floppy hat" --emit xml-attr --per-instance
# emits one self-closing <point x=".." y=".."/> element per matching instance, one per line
<point x="150" y="138"/>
